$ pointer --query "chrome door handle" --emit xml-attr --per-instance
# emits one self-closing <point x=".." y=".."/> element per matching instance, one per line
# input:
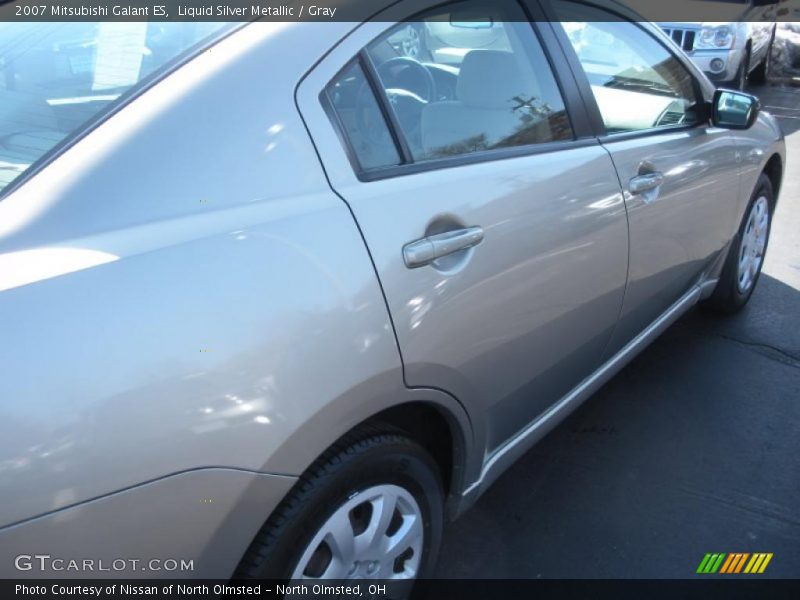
<point x="426" y="250"/>
<point x="646" y="182"/>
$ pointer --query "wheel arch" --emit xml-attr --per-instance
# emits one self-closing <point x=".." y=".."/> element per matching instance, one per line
<point x="432" y="417"/>
<point x="773" y="169"/>
<point x="436" y="430"/>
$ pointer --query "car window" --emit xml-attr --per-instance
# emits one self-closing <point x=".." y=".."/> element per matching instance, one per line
<point x="56" y="77"/>
<point x="469" y="77"/>
<point x="361" y="118"/>
<point x="638" y="84"/>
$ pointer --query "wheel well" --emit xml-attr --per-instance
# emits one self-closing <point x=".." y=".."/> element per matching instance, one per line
<point x="774" y="170"/>
<point x="431" y="428"/>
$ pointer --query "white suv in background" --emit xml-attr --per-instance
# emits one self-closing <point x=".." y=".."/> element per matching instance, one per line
<point x="731" y="52"/>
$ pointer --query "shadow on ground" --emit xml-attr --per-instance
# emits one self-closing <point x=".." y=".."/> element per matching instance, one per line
<point x="780" y="101"/>
<point x="693" y="448"/>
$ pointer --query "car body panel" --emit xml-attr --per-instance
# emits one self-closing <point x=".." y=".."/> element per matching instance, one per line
<point x="185" y="323"/>
<point x="757" y="146"/>
<point x="677" y="232"/>
<point x="163" y="319"/>
<point x="507" y="330"/>
<point x="206" y="516"/>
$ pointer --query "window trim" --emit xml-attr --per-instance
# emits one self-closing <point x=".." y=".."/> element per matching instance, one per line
<point x="578" y="112"/>
<point x="336" y="120"/>
<point x="583" y="135"/>
<point x="481" y="156"/>
<point x="382" y="98"/>
<point x="118" y="105"/>
<point x="585" y="86"/>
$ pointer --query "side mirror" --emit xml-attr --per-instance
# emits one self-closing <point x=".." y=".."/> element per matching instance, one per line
<point x="734" y="110"/>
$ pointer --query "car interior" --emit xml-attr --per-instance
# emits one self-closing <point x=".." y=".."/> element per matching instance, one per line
<point x="636" y="87"/>
<point x="476" y="86"/>
<point x="475" y="82"/>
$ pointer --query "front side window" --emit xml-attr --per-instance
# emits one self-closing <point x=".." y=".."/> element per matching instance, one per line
<point x="467" y="78"/>
<point x="56" y="77"/>
<point x="638" y="84"/>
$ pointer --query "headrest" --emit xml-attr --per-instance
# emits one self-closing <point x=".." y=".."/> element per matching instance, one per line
<point x="489" y="79"/>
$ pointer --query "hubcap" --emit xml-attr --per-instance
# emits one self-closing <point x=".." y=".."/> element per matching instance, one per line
<point x="376" y="534"/>
<point x="753" y="244"/>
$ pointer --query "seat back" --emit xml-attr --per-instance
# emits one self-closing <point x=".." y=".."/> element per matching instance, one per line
<point x="489" y="107"/>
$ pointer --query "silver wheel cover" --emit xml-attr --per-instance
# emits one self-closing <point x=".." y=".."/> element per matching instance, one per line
<point x="376" y="534"/>
<point x="753" y="244"/>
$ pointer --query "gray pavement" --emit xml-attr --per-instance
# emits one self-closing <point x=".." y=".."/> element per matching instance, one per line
<point x="693" y="448"/>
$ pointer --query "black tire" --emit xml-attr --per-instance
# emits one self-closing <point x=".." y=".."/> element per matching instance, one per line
<point x="368" y="456"/>
<point x="740" y="81"/>
<point x="760" y="74"/>
<point x="727" y="297"/>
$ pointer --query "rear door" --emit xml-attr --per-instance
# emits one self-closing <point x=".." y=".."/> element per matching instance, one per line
<point x="680" y="175"/>
<point x="494" y="218"/>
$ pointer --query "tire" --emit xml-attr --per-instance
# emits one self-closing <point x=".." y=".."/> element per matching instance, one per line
<point x="740" y="81"/>
<point x="337" y="489"/>
<point x="731" y="295"/>
<point x="760" y="74"/>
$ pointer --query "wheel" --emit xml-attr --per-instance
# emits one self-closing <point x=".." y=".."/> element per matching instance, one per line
<point x="746" y="254"/>
<point x="371" y="507"/>
<point x="740" y="81"/>
<point x="760" y="73"/>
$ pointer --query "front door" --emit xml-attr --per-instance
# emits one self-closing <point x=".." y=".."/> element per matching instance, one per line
<point x="680" y="175"/>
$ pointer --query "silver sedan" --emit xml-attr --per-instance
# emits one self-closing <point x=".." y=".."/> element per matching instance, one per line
<point x="278" y="300"/>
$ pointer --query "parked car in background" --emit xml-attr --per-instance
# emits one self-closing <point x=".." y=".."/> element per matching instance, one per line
<point x="730" y="52"/>
<point x="280" y="299"/>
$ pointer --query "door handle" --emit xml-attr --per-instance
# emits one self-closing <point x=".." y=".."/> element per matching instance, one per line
<point x="426" y="250"/>
<point x="646" y="182"/>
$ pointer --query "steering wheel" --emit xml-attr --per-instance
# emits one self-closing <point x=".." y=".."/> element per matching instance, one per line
<point x="409" y="74"/>
<point x="407" y="103"/>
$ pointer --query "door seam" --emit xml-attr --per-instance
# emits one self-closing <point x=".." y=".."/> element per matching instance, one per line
<point x="628" y="254"/>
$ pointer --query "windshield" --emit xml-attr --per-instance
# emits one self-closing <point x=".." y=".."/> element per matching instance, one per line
<point x="56" y="77"/>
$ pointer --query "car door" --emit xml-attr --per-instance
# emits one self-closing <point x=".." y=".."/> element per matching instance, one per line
<point x="680" y="175"/>
<point x="494" y="218"/>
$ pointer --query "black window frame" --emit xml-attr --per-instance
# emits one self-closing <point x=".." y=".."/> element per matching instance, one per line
<point x="574" y="107"/>
<point x="584" y="85"/>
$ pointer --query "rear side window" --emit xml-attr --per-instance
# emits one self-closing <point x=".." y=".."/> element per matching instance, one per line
<point x="637" y="83"/>
<point x="56" y="77"/>
<point x="361" y="118"/>
<point x="466" y="78"/>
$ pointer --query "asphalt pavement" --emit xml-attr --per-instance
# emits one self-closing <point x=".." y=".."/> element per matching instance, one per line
<point x="693" y="448"/>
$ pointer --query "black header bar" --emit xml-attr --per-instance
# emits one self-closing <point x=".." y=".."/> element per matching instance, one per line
<point x="355" y="10"/>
